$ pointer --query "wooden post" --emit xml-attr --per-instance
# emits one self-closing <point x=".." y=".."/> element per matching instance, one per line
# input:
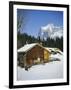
<point x="24" y="60"/>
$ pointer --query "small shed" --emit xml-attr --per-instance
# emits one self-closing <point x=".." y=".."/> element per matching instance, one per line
<point x="31" y="54"/>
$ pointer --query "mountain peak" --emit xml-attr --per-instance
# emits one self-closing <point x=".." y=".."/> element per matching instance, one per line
<point x="51" y="31"/>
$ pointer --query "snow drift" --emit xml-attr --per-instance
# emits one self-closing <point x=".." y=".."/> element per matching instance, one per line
<point x="51" y="70"/>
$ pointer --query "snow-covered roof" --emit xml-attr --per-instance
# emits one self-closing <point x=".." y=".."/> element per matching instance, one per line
<point x="26" y="47"/>
<point x="54" y="49"/>
<point x="51" y="49"/>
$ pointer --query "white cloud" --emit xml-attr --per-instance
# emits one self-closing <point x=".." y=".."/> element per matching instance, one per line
<point x="52" y="31"/>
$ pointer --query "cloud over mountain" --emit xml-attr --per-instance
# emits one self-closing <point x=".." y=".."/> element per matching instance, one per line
<point x="51" y="31"/>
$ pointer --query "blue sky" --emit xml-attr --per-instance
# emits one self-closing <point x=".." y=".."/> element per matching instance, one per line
<point x="34" y="19"/>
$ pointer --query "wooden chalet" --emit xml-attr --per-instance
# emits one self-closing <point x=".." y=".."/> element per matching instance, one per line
<point x="31" y="54"/>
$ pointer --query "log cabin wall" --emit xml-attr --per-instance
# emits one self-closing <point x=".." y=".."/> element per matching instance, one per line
<point x="34" y="53"/>
<point x="30" y="57"/>
<point x="46" y="55"/>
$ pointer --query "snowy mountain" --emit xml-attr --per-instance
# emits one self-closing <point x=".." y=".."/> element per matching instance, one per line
<point x="51" y="31"/>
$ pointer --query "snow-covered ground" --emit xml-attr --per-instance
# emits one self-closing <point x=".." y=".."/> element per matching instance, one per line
<point x="51" y="70"/>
